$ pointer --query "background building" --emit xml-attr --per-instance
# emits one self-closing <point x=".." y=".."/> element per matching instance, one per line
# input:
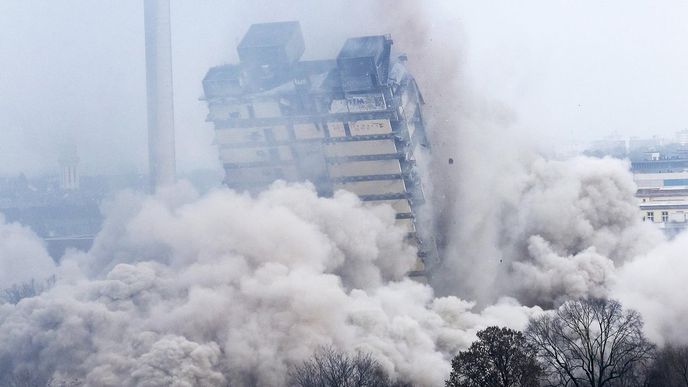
<point x="660" y="170"/>
<point x="663" y="190"/>
<point x="351" y="123"/>
<point x="69" y="165"/>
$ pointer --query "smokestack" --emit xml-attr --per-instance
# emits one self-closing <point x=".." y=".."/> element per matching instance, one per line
<point x="159" y="93"/>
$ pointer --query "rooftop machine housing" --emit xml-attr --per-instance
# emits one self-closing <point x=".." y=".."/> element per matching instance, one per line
<point x="272" y="44"/>
<point x="364" y="63"/>
<point x="223" y="81"/>
<point x="268" y="52"/>
<point x="339" y="123"/>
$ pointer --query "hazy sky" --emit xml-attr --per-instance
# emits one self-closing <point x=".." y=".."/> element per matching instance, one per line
<point x="74" y="70"/>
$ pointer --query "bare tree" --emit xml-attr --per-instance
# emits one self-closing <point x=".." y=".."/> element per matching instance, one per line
<point x="55" y="382"/>
<point x="32" y="288"/>
<point x="670" y="368"/>
<point x="500" y="357"/>
<point x="331" y="368"/>
<point x="24" y="378"/>
<point x="591" y="343"/>
<point x="34" y="378"/>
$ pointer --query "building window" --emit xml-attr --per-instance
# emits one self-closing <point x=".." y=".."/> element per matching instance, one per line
<point x="651" y="216"/>
<point x="675" y="182"/>
<point x="665" y="216"/>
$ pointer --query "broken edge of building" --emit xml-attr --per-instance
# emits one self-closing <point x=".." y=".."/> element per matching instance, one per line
<point x="352" y="123"/>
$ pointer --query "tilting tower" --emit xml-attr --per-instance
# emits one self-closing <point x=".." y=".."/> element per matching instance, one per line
<point x="351" y="123"/>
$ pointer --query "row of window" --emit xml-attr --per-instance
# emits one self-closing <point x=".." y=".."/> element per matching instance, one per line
<point x="650" y="216"/>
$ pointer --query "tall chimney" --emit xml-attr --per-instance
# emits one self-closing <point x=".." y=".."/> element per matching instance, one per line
<point x="159" y="93"/>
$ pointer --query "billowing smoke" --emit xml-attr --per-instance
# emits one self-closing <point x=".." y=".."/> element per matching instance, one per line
<point x="567" y="228"/>
<point x="187" y="290"/>
<point x="22" y="255"/>
<point x="182" y="290"/>
<point x="226" y="288"/>
<point x="558" y="230"/>
<point x="654" y="284"/>
<point x="512" y="222"/>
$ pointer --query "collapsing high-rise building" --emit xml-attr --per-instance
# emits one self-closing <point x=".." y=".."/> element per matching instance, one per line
<point x="351" y="123"/>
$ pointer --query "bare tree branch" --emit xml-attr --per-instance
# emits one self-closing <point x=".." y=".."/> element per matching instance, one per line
<point x="591" y="343"/>
<point x="331" y="368"/>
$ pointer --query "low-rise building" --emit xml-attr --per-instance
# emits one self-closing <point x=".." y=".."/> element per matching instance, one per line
<point x="663" y="196"/>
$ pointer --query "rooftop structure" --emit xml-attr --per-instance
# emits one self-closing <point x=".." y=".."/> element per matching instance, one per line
<point x="351" y="123"/>
<point x="660" y="165"/>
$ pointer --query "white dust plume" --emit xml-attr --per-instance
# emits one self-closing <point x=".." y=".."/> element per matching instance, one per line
<point x="22" y="256"/>
<point x="187" y="290"/>
<point x="655" y="285"/>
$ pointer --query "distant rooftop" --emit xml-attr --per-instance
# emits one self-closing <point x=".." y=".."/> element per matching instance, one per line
<point x="659" y="192"/>
<point x="661" y="165"/>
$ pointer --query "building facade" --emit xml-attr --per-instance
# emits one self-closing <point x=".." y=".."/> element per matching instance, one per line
<point x="351" y="123"/>
<point x="663" y="193"/>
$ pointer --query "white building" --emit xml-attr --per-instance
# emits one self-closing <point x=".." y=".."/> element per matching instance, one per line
<point x="663" y="199"/>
